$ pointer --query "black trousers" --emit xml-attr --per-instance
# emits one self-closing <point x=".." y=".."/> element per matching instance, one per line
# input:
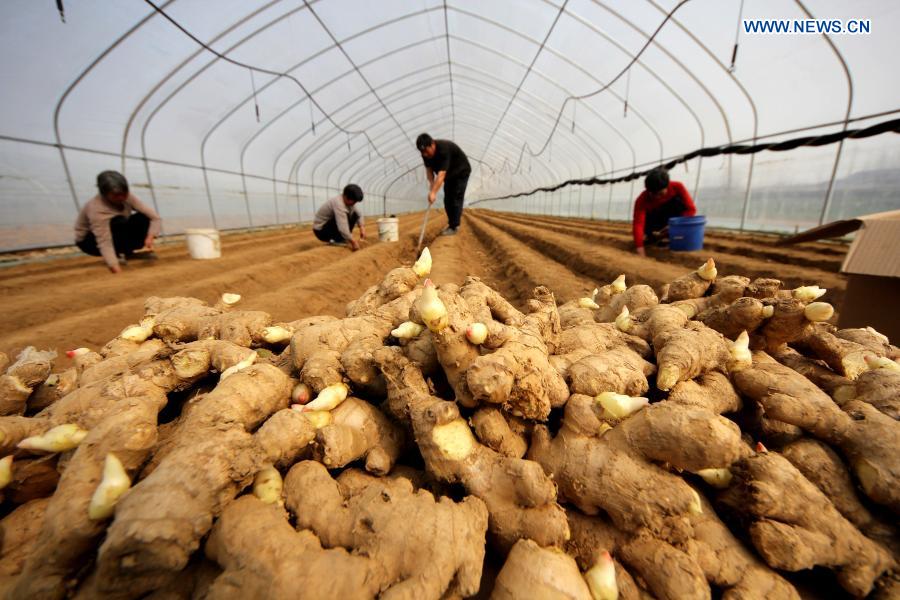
<point x="330" y="229"/>
<point x="659" y="218"/>
<point x="454" y="197"/>
<point x="128" y="235"/>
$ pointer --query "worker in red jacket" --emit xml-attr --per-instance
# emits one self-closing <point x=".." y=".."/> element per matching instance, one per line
<point x="653" y="208"/>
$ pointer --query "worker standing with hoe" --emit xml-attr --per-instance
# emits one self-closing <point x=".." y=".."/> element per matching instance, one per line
<point x="446" y="165"/>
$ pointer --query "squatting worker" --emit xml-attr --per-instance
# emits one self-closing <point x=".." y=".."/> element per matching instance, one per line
<point x="115" y="223"/>
<point x="661" y="200"/>
<point x="336" y="218"/>
<point x="446" y="165"/>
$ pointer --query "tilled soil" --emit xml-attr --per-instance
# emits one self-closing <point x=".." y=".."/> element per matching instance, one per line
<point x="65" y="303"/>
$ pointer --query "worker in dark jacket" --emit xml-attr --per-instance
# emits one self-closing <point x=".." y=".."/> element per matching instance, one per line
<point x="660" y="200"/>
<point x="446" y="165"/>
<point x="335" y="220"/>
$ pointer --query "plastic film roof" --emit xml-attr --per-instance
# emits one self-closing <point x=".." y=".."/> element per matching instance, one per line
<point x="236" y="113"/>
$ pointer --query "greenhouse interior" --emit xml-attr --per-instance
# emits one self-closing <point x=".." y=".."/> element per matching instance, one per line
<point x="601" y="286"/>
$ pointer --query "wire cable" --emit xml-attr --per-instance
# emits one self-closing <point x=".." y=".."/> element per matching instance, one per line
<point x="890" y="126"/>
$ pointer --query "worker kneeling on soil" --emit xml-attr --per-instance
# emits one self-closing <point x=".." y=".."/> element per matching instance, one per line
<point x="336" y="218"/>
<point x="660" y="201"/>
<point x="114" y="224"/>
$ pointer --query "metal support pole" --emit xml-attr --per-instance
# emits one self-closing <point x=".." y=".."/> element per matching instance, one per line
<point x="827" y="205"/>
<point x="153" y="194"/>
<point x="609" y="204"/>
<point x="212" y="212"/>
<point x="746" y="208"/>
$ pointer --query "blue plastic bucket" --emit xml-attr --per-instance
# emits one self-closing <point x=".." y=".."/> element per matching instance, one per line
<point x="686" y="233"/>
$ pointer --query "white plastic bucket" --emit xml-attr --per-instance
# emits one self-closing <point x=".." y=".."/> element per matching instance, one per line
<point x="203" y="243"/>
<point x="389" y="229"/>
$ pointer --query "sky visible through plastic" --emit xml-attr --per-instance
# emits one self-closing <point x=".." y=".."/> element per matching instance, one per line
<point x="119" y="86"/>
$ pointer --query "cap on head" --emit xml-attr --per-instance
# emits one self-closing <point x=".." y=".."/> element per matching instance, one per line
<point x="353" y="193"/>
<point x="657" y="180"/>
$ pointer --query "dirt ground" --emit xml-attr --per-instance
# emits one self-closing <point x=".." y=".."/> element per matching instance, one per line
<point x="63" y="301"/>
<point x="67" y="302"/>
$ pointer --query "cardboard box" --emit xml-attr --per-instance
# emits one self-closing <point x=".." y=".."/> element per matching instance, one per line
<point x="873" y="268"/>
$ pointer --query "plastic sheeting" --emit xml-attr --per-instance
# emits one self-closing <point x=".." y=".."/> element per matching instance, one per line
<point x="119" y="86"/>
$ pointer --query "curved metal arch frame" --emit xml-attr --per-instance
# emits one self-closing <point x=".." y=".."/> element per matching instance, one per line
<point x="736" y="81"/>
<point x="305" y="132"/>
<point x="275" y="119"/>
<point x="275" y="79"/>
<point x="553" y="82"/>
<point x="225" y="58"/>
<point x="233" y="27"/>
<point x="77" y="81"/>
<point x="539" y="163"/>
<point x="355" y="67"/>
<point x="637" y="113"/>
<point x="376" y="180"/>
<point x="312" y="149"/>
<point x="837" y="157"/>
<point x="424" y="41"/>
<point x="488" y="87"/>
<point x="447" y="36"/>
<point x="559" y="55"/>
<point x="428" y="40"/>
<point x="147" y="18"/>
<point x="284" y="112"/>
<point x="416" y="118"/>
<point x="653" y="74"/>
<point x="608" y="85"/>
<point x="559" y="13"/>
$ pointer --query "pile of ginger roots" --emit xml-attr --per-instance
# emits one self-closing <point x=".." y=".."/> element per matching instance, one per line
<point x="714" y="438"/>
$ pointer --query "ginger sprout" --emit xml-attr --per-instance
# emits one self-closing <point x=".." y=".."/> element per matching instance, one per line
<point x="115" y="482"/>
<point x="619" y="406"/>
<point x="58" y="439"/>
<point x="422" y="267"/>
<point x="601" y="579"/>
<point x="808" y="293"/>
<point x="432" y="309"/>
<point x="329" y="397"/>
<point x="708" y="270"/>
<point x="818" y="311"/>
<point x="717" y="478"/>
<point x="476" y="333"/>
<point x="5" y="470"/>
<point x="407" y="330"/>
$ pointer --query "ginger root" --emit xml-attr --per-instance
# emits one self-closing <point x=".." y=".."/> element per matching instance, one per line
<point x="358" y="430"/>
<point x="162" y="519"/>
<point x="518" y="375"/>
<point x="613" y="469"/>
<point x="694" y="284"/>
<point x="867" y="438"/>
<point x="794" y="526"/>
<point x="72" y="524"/>
<point x="534" y="572"/>
<point x="29" y="371"/>
<point x="403" y="530"/>
<point x="520" y="498"/>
